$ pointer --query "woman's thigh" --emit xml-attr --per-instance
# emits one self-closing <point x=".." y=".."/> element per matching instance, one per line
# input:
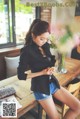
<point x="67" y="98"/>
<point x="49" y="106"/>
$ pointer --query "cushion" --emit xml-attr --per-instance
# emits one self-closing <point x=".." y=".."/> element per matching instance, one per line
<point x="11" y="65"/>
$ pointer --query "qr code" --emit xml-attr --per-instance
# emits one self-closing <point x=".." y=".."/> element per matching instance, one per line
<point x="9" y="109"/>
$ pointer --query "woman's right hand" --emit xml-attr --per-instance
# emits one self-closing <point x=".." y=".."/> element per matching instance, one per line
<point x="48" y="71"/>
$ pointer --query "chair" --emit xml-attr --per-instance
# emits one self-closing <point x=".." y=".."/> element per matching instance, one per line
<point x="75" y="90"/>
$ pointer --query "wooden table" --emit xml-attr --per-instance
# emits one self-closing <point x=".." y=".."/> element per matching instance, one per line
<point x="73" y="70"/>
<point x="23" y="93"/>
<point x="26" y="97"/>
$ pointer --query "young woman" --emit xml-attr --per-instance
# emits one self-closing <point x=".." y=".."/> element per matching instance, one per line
<point x="75" y="53"/>
<point x="36" y="54"/>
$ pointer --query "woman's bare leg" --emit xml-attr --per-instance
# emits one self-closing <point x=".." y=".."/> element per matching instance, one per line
<point x="67" y="98"/>
<point x="49" y="107"/>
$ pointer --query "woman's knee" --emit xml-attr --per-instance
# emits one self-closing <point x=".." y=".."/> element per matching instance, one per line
<point x="77" y="108"/>
<point x="54" y="117"/>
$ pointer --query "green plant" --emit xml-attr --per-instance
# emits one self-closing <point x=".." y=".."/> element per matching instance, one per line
<point x="63" y="43"/>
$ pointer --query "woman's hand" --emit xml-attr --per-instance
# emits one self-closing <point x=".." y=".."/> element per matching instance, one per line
<point x="48" y="71"/>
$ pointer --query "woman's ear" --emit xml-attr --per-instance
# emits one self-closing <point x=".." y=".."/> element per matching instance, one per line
<point x="33" y="36"/>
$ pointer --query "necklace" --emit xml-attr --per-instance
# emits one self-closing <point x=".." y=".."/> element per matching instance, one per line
<point x="42" y="52"/>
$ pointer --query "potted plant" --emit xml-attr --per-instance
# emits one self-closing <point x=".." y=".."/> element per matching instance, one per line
<point x="61" y="40"/>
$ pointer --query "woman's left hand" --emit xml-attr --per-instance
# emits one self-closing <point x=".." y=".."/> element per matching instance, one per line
<point x="48" y="71"/>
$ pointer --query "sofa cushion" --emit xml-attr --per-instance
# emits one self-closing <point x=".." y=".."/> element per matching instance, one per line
<point x="11" y="65"/>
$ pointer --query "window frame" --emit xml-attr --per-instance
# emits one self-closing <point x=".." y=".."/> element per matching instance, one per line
<point x="13" y="43"/>
<point x="10" y="44"/>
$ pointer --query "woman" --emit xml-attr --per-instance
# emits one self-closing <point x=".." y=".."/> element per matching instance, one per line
<point x="75" y="54"/>
<point x="37" y="55"/>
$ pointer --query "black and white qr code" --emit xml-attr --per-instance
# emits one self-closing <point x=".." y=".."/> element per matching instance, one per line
<point x="9" y="109"/>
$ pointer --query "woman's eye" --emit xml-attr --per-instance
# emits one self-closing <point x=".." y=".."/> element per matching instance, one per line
<point x="41" y="39"/>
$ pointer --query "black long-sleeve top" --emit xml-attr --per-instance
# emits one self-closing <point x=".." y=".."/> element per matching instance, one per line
<point x="32" y="57"/>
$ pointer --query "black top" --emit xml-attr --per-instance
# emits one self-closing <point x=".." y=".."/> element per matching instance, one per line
<point x="75" y="54"/>
<point x="31" y="55"/>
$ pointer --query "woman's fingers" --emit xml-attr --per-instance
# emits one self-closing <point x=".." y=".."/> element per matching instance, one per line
<point x="50" y="71"/>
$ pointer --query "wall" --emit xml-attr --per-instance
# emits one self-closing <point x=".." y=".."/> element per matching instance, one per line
<point x="46" y="14"/>
<point x="65" y="15"/>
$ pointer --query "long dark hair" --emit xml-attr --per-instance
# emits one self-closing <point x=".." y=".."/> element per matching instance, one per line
<point x="40" y="28"/>
<point x="28" y="37"/>
<point x="37" y="29"/>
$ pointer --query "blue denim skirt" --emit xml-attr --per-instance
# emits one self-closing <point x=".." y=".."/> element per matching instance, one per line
<point x="42" y="96"/>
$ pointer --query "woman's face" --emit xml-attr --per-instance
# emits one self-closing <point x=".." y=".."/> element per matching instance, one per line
<point x="41" y="39"/>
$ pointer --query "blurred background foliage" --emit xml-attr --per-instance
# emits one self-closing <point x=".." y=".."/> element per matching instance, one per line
<point x="18" y="7"/>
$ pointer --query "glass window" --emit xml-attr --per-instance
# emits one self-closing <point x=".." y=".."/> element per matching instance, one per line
<point x="24" y="15"/>
<point x="4" y="22"/>
<point x="15" y="19"/>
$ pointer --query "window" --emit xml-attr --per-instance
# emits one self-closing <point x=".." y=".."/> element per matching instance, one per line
<point x="5" y="22"/>
<point x="15" y="19"/>
<point x="24" y="15"/>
